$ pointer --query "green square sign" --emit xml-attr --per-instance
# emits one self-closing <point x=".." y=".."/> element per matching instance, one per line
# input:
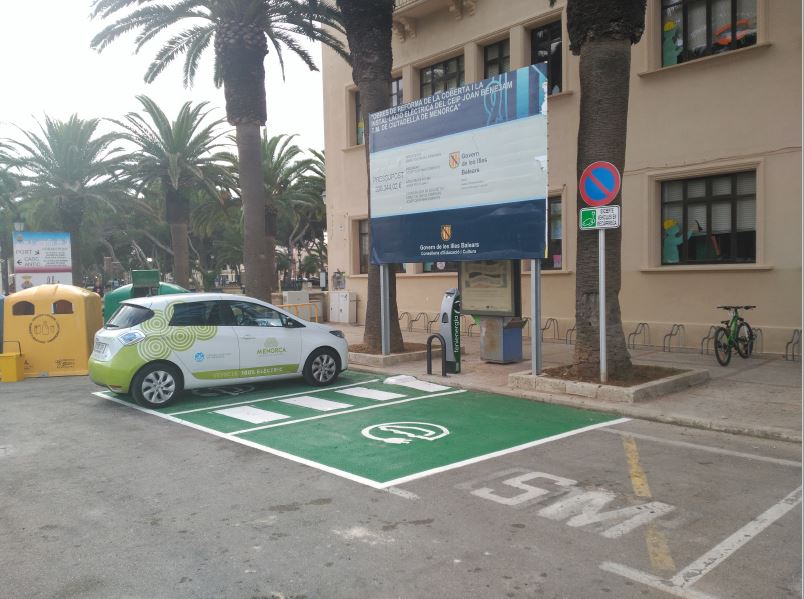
<point x="601" y="217"/>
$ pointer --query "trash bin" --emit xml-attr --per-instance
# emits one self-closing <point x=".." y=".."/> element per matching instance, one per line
<point x="11" y="365"/>
<point x="55" y="327"/>
<point x="111" y="301"/>
<point x="501" y="339"/>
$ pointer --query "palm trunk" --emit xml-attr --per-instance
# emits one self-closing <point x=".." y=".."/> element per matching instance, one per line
<point x="181" y="254"/>
<point x="604" y="74"/>
<point x="368" y="30"/>
<point x="258" y="264"/>
<point x="71" y="218"/>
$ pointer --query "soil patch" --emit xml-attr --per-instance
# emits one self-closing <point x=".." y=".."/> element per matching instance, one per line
<point x="636" y="376"/>
<point x="361" y="348"/>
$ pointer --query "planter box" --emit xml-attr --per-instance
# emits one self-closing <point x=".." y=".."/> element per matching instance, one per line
<point x="393" y="359"/>
<point x="650" y="390"/>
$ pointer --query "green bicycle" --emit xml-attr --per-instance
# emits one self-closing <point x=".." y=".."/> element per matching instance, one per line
<point x="736" y="333"/>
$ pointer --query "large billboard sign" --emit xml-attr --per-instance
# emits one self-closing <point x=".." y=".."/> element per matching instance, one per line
<point x="462" y="175"/>
<point x="41" y="258"/>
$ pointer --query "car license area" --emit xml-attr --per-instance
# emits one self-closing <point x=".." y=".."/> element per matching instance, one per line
<point x="100" y="347"/>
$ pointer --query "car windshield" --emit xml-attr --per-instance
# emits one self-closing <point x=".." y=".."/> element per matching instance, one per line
<point x="128" y="315"/>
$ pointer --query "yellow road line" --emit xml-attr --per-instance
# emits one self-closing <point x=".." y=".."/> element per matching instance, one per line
<point x="658" y="550"/>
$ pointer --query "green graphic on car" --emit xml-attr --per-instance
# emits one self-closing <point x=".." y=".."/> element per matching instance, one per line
<point x="161" y="340"/>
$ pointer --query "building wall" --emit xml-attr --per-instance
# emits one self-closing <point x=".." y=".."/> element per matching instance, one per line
<point x="725" y="113"/>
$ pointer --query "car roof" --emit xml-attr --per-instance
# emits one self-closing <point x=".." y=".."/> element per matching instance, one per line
<point x="161" y="300"/>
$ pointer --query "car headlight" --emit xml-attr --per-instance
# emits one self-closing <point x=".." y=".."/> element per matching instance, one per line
<point x="338" y="334"/>
<point x="131" y="337"/>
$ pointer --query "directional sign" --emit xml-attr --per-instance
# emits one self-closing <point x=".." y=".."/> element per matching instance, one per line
<point x="599" y="183"/>
<point x="603" y="217"/>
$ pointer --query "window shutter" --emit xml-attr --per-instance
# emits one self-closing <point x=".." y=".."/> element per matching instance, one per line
<point x="696" y="188"/>
<point x="746" y="215"/>
<point x="672" y="191"/>
<point x="672" y="211"/>
<point x="746" y="184"/>
<point x="721" y="217"/>
<point x="721" y="186"/>
<point x="696" y="215"/>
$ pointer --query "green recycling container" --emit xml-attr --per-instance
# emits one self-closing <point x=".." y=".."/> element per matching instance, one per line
<point x="111" y="301"/>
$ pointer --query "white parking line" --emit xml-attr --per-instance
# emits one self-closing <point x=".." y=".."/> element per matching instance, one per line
<point x="374" y="394"/>
<point x="316" y="403"/>
<point x="250" y="414"/>
<point x="718" y="450"/>
<point x="374" y="407"/>
<point x="680" y="585"/>
<point x="253" y="401"/>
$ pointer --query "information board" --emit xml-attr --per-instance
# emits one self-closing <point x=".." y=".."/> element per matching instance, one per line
<point x="462" y="175"/>
<point x="41" y="258"/>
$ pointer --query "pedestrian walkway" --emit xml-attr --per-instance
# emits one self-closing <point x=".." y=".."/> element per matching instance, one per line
<point x="761" y="396"/>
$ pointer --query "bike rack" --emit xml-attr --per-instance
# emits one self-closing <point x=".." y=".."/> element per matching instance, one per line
<point x="402" y="315"/>
<point x="759" y="339"/>
<point x="430" y="323"/>
<point x="642" y="328"/>
<point x="674" y="332"/>
<point x="710" y="336"/>
<point x="468" y="323"/>
<point x="419" y="316"/>
<point x="790" y="346"/>
<point x="430" y="353"/>
<point x="568" y="335"/>
<point x="547" y="324"/>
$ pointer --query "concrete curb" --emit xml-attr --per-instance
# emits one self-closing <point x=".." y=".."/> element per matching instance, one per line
<point x="624" y="409"/>
<point x="649" y="390"/>
<point x="379" y="361"/>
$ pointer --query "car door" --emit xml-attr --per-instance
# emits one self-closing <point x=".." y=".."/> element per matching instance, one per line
<point x="267" y="346"/>
<point x="204" y="341"/>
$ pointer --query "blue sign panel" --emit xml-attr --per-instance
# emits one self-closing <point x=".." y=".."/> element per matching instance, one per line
<point x="462" y="175"/>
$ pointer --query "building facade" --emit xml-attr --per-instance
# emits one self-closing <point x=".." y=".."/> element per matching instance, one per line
<point x="711" y="193"/>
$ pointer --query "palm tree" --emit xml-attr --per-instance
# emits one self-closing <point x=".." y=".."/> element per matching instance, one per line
<point x="368" y="31"/>
<point x="283" y="172"/>
<point x="181" y="157"/>
<point x="9" y="192"/>
<point x="602" y="34"/>
<point x="239" y="31"/>
<point x="68" y="168"/>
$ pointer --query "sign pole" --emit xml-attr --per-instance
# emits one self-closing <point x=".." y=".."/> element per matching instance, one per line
<point x="536" y="317"/>
<point x="601" y="291"/>
<point x="385" y="314"/>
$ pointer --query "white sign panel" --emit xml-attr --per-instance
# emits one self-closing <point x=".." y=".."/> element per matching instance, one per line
<point x="602" y="217"/>
<point x="41" y="258"/>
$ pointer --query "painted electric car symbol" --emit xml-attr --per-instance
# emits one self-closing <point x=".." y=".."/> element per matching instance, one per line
<point x="399" y="433"/>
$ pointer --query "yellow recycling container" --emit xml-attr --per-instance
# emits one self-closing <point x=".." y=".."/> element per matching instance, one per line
<point x="11" y="370"/>
<point x="55" y="326"/>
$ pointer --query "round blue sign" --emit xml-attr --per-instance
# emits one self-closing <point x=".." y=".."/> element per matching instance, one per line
<point x="599" y="183"/>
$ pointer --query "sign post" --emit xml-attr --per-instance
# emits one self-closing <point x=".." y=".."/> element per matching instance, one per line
<point x="598" y="186"/>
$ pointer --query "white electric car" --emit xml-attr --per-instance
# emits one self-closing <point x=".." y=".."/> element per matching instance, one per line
<point x="154" y="347"/>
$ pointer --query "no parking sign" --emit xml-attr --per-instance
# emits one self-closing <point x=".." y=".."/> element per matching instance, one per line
<point x="599" y="183"/>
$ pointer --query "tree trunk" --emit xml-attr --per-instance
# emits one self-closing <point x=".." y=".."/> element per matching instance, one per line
<point x="177" y="215"/>
<point x="71" y="218"/>
<point x="181" y="254"/>
<point x="368" y="31"/>
<point x="604" y="73"/>
<point x="258" y="265"/>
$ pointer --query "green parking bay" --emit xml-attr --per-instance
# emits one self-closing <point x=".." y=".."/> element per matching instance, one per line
<point x="374" y="432"/>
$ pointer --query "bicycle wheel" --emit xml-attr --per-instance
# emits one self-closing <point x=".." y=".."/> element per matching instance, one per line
<point x="745" y="340"/>
<point x="722" y="347"/>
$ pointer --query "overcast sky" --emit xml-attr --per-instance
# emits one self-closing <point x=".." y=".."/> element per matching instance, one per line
<point x="48" y="68"/>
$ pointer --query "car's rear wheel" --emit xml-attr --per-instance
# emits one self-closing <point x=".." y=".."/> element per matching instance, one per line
<point x="322" y="367"/>
<point x="156" y="385"/>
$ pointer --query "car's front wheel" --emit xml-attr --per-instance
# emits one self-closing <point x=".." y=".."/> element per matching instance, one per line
<point x="156" y="385"/>
<point x="322" y="367"/>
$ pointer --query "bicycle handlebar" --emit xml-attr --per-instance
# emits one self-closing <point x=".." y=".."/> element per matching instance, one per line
<point x="737" y="307"/>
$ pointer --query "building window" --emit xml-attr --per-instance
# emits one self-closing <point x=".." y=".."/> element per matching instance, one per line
<point x="396" y="100"/>
<point x="363" y="245"/>
<point x="695" y="28"/>
<point x="360" y="129"/>
<point x="554" y="248"/>
<point x="709" y="219"/>
<point x="441" y="76"/>
<point x="396" y="91"/>
<point x="545" y="46"/>
<point x="496" y="59"/>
